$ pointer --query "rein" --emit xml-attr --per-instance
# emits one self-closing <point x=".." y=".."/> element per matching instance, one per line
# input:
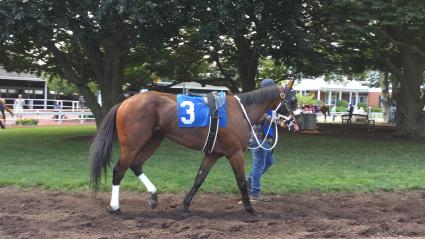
<point x="275" y="116"/>
<point x="273" y="120"/>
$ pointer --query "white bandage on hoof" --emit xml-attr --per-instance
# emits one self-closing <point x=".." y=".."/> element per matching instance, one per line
<point x="115" y="198"/>
<point x="148" y="184"/>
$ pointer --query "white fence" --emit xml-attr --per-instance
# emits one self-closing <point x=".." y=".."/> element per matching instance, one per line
<point x="72" y="105"/>
<point x="59" y="116"/>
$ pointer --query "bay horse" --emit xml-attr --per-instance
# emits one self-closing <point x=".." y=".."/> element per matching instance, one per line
<point x="142" y="121"/>
<point x="323" y="109"/>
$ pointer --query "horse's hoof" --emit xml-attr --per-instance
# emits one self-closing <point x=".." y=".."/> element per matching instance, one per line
<point x="153" y="203"/>
<point x="185" y="211"/>
<point x="114" y="212"/>
<point x="154" y="200"/>
<point x="251" y="211"/>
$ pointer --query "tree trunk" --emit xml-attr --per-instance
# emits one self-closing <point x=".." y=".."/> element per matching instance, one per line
<point x="247" y="63"/>
<point x="410" y="103"/>
<point x="110" y="78"/>
<point x="384" y="83"/>
<point x="248" y="73"/>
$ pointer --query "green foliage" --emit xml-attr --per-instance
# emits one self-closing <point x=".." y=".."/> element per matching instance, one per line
<point x="306" y="100"/>
<point x="383" y="35"/>
<point x="376" y="109"/>
<point x="58" y="160"/>
<point x="62" y="86"/>
<point x="341" y="109"/>
<point x="26" y="122"/>
<point x="240" y="33"/>
<point x="363" y="105"/>
<point x="318" y="102"/>
<point x="269" y="68"/>
<point x="85" y="41"/>
<point x="342" y="103"/>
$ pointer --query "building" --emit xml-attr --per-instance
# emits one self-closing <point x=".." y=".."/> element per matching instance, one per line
<point x="32" y="88"/>
<point x="330" y="92"/>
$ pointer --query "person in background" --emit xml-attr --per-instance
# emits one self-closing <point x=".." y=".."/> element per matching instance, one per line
<point x="350" y="112"/>
<point x="81" y="102"/>
<point x="18" y="105"/>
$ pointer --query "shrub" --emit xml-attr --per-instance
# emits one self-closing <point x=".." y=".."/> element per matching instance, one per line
<point x="363" y="104"/>
<point x="341" y="109"/>
<point x="305" y="100"/>
<point x="342" y="103"/>
<point x="26" y="122"/>
<point x="376" y="109"/>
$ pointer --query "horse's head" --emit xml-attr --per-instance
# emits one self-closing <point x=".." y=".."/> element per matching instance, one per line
<point x="289" y="104"/>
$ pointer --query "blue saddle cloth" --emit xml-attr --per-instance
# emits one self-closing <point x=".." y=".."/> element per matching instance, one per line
<point x="192" y="111"/>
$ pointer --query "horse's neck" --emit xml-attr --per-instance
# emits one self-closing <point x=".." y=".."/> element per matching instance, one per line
<point x="256" y="110"/>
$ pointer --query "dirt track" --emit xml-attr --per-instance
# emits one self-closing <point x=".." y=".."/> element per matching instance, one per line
<point x="38" y="213"/>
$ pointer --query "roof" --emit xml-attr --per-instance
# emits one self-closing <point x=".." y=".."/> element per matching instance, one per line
<point x="322" y="85"/>
<point x="4" y="75"/>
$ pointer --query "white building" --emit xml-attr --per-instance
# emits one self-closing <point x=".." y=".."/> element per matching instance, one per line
<point x="329" y="92"/>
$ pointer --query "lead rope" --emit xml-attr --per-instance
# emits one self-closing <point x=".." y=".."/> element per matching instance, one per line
<point x="273" y="120"/>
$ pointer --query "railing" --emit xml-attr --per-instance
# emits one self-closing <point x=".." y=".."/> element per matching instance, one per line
<point x="59" y="116"/>
<point x="50" y="104"/>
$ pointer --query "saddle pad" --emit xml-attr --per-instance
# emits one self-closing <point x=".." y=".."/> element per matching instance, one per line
<point x="192" y="111"/>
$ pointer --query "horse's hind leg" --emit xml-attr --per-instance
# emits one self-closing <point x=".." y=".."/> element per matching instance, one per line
<point x="126" y="158"/>
<point x="147" y="151"/>
<point x="205" y="167"/>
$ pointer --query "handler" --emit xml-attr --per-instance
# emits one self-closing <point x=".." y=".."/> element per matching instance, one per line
<point x="262" y="159"/>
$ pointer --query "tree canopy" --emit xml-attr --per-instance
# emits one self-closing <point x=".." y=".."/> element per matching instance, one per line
<point x="83" y="40"/>
<point x="384" y="35"/>
<point x="118" y="44"/>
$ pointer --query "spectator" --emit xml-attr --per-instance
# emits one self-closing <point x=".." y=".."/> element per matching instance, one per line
<point x="81" y="102"/>
<point x="350" y="112"/>
<point x="57" y="108"/>
<point x="18" y="105"/>
<point x="393" y="111"/>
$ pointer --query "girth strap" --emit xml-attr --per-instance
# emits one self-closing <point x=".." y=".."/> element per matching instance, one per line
<point x="213" y="126"/>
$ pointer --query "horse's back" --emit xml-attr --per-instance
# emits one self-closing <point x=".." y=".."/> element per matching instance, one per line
<point x="143" y="113"/>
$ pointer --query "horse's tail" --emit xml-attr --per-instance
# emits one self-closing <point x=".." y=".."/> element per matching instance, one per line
<point x="101" y="148"/>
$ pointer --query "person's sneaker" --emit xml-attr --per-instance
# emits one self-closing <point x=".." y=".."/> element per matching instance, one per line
<point x="255" y="198"/>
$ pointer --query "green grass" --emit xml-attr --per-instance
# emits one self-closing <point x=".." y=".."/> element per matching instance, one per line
<point x="46" y="157"/>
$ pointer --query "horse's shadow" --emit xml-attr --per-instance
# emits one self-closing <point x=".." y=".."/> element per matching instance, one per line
<point x="196" y="215"/>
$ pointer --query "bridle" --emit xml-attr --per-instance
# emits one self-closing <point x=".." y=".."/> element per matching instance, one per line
<point x="275" y="117"/>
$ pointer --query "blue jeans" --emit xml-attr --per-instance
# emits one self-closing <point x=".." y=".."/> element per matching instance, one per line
<point x="261" y="161"/>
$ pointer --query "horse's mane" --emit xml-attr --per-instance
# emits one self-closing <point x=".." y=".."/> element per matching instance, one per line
<point x="259" y="95"/>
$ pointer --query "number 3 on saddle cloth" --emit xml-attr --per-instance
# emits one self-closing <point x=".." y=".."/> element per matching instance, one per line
<point x="194" y="111"/>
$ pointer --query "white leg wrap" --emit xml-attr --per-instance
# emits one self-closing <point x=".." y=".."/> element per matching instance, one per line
<point x="148" y="184"/>
<point x="115" y="199"/>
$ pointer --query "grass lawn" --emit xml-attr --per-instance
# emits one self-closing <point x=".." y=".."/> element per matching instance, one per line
<point x="46" y="157"/>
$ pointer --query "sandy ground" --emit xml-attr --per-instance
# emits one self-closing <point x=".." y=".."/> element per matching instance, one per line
<point x="36" y="213"/>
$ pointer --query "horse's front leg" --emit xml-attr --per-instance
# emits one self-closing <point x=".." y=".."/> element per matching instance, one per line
<point x="207" y="163"/>
<point x="237" y="162"/>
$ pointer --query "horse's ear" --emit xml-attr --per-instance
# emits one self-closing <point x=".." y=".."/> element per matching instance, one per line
<point x="290" y="84"/>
